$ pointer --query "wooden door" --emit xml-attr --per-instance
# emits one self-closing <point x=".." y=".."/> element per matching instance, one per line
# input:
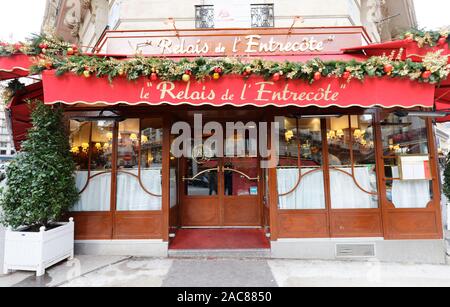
<point x="221" y="192"/>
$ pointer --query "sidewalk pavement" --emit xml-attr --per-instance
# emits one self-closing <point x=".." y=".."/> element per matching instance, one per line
<point x="103" y="271"/>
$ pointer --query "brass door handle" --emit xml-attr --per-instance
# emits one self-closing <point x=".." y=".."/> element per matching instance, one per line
<point x="217" y="169"/>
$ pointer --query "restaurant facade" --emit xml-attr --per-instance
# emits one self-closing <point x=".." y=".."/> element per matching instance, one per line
<point x="330" y="166"/>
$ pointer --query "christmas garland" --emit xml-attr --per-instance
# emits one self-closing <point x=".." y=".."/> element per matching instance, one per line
<point x="50" y="53"/>
<point x="427" y="38"/>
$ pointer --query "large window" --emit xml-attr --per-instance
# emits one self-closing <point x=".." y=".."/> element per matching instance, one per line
<point x="347" y="155"/>
<point x="138" y="164"/>
<point x="406" y="159"/>
<point x="351" y="157"/>
<point x="300" y="170"/>
<point x="92" y="151"/>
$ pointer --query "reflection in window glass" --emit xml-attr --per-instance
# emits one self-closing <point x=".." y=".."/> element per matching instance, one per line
<point x="79" y="139"/>
<point x="353" y="181"/>
<point x="237" y="184"/>
<point x="300" y="173"/>
<point x="139" y="190"/>
<point x="406" y="137"/>
<point x="203" y="177"/>
<point x="92" y="150"/>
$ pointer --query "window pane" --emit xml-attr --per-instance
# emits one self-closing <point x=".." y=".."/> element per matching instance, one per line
<point x="288" y="151"/>
<point x="262" y="15"/>
<point x="96" y="144"/>
<point x="235" y="182"/>
<point x="406" y="137"/>
<point x="79" y="142"/>
<point x="204" y="16"/>
<point x="353" y="181"/>
<point x="139" y="191"/>
<point x="300" y="183"/>
<point x="203" y="177"/>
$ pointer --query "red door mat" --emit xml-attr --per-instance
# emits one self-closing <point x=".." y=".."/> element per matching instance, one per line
<point x="186" y="239"/>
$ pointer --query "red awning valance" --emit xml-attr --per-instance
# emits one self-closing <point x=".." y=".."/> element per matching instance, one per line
<point x="14" y="66"/>
<point x="235" y="90"/>
<point x="20" y="113"/>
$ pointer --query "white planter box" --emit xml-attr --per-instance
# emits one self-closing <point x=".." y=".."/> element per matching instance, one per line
<point x="36" y="251"/>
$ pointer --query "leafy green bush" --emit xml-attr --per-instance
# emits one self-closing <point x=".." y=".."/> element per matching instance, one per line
<point x="41" y="184"/>
<point x="446" y="187"/>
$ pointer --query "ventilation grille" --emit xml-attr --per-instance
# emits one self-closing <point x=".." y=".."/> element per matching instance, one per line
<point x="355" y="250"/>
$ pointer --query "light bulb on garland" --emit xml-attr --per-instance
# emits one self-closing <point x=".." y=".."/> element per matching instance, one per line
<point x="87" y="74"/>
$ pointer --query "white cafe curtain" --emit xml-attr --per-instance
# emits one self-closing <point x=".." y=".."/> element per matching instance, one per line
<point x="345" y="194"/>
<point x="309" y="194"/>
<point x="130" y="195"/>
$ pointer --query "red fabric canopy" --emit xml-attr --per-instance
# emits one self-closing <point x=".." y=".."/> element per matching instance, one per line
<point x="19" y="112"/>
<point x="235" y="90"/>
<point x="442" y="97"/>
<point x="410" y="50"/>
<point x="14" y="66"/>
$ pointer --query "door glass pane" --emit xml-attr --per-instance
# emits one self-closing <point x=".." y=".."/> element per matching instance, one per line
<point x="353" y="181"/>
<point x="201" y="178"/>
<point x="139" y="190"/>
<point x="300" y="181"/>
<point x="240" y="176"/>
<point x="96" y="146"/>
<point x="405" y="137"/>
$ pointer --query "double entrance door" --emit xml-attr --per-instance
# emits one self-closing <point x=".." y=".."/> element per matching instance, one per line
<point x="221" y="192"/>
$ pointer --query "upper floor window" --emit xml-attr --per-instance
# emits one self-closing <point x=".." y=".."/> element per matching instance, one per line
<point x="204" y="16"/>
<point x="262" y="16"/>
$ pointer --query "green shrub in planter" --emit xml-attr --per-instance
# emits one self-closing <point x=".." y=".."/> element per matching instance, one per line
<point x="41" y="184"/>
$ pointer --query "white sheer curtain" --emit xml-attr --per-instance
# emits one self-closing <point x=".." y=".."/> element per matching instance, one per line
<point x="131" y="196"/>
<point x="308" y="195"/>
<point x="345" y="194"/>
<point x="411" y="193"/>
<point x="97" y="195"/>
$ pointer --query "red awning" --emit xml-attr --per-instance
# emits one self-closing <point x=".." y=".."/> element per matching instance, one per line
<point x="442" y="97"/>
<point x="235" y="90"/>
<point x="19" y="112"/>
<point x="409" y="49"/>
<point x="14" y="66"/>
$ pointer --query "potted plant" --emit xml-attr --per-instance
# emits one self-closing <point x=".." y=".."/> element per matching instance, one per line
<point x="40" y="189"/>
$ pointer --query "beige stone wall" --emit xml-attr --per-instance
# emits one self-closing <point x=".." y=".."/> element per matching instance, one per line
<point x="87" y="19"/>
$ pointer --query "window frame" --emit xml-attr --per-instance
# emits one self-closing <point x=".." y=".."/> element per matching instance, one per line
<point x="258" y="7"/>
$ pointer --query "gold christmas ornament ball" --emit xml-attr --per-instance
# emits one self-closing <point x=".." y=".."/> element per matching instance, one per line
<point x="186" y="78"/>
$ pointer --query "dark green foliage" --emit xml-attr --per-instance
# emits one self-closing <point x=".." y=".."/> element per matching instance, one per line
<point x="447" y="177"/>
<point x="41" y="183"/>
